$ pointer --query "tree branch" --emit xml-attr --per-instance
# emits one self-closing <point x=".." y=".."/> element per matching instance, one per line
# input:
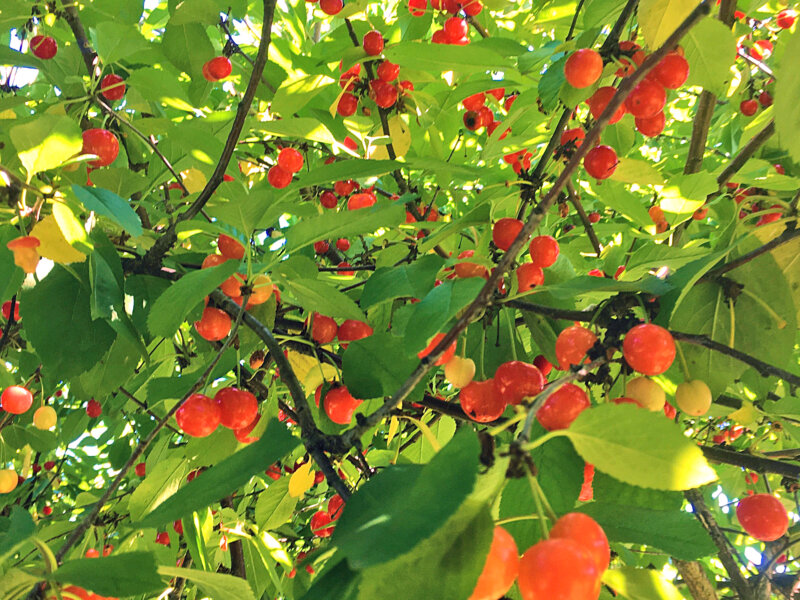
<point x="751" y="462"/>
<point x="487" y="292"/>
<point x="787" y="236"/>
<point x="573" y="197"/>
<point x="695" y="579"/>
<point x="552" y="312"/>
<point x="169" y="237"/>
<point x="619" y="25"/>
<point x="695" y="497"/>
<point x="765" y="369"/>
<point x="238" y="567"/>
<point x="746" y="153"/>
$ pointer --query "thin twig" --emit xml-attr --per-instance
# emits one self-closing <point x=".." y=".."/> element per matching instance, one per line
<point x="141" y="404"/>
<point x="787" y="236"/>
<point x="746" y="153"/>
<point x="573" y="197"/>
<point x="757" y="63"/>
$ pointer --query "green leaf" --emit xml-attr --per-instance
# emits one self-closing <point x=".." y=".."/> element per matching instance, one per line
<point x="640" y="584"/>
<point x="433" y="313"/>
<point x="214" y="585"/>
<point x="787" y="90"/>
<point x="124" y="574"/>
<point x="414" y="280"/>
<point x="115" y="41"/>
<point x="224" y="477"/>
<point x="640" y="172"/>
<point x="617" y="197"/>
<point x="172" y="306"/>
<point x="52" y="327"/>
<point x="46" y="142"/>
<point x="16" y="528"/>
<point x="275" y="506"/>
<point x="337" y="582"/>
<point x="313" y="295"/>
<point x="376" y="366"/>
<point x="159" y="484"/>
<point x="639" y="447"/>
<point x="187" y="47"/>
<point x="586" y="283"/>
<point x="11" y="57"/>
<point x="377" y="525"/>
<point x="356" y="168"/>
<point x="710" y="49"/>
<point x="560" y="473"/>
<point x="343" y="224"/>
<point x="299" y="128"/>
<point x="673" y="531"/>
<point x="686" y="193"/>
<point x="659" y="18"/>
<point x="544" y="332"/>
<point x="109" y="204"/>
<point x="160" y="85"/>
<point x="609" y="490"/>
<point x="465" y="59"/>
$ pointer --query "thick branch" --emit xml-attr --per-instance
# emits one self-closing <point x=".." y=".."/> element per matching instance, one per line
<point x="486" y="293"/>
<point x="695" y="579"/>
<point x="765" y="369"/>
<point x="695" y="497"/>
<point x="748" y="461"/>
<point x="554" y="313"/>
<point x="702" y="123"/>
<point x="166" y="241"/>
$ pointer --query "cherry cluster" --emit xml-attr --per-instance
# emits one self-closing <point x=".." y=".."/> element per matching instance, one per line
<point x="478" y="114"/>
<point x="199" y="415"/>
<point x="289" y="162"/>
<point x="381" y="90"/>
<point x="455" y="29"/>
<point x="321" y="520"/>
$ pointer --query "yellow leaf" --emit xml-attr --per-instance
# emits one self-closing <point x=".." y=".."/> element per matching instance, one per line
<point x="659" y="18"/>
<point x="401" y="140"/>
<point x="53" y="243"/>
<point x="8" y="114"/>
<point x="747" y="415"/>
<point x="194" y="180"/>
<point x="394" y="424"/>
<point x="301" y="480"/>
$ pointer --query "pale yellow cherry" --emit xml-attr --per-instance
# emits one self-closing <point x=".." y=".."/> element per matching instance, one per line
<point x="8" y="480"/>
<point x="459" y="371"/>
<point x="44" y="417"/>
<point x="693" y="397"/>
<point x="647" y="393"/>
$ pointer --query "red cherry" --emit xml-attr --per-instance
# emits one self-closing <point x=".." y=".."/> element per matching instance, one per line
<point x="785" y="19"/>
<point x="600" y="162"/>
<point x="583" y="68"/>
<point x="112" y="87"/>
<point x="178" y="527"/>
<point x="445" y="357"/>
<point x="474" y="102"/>
<point x="417" y="7"/>
<point x="162" y="538"/>
<point x="516" y="380"/>
<point x="387" y="71"/>
<point x="572" y="345"/>
<point x="672" y="72"/>
<point x="763" y="517"/>
<point x="243" y="433"/>
<point x="290" y="160"/>
<point x="562" y="407"/>
<point x="347" y="106"/>
<point x="541" y="363"/>
<point x="94" y="409"/>
<point x="373" y="43"/>
<point x="651" y="126"/>
<point x="321" y="247"/>
<point x="587" y="492"/>
<point x="600" y="99"/>
<point x="140" y="469"/>
<point x="456" y="28"/>
<point x="575" y="136"/>
<point x="320" y="520"/>
<point x="669" y="411"/>
<point x="505" y="231"/>
<point x="362" y="200"/>
<point x="468" y="269"/>
<point x="328" y="199"/>
<point x="103" y="144"/>
<point x="47" y="511"/>
<point x="278" y="177"/>
<point x="198" y="416"/>
<point x="335" y="506"/>
<point x="384" y="94"/>
<point x="594" y="217"/>
<point x="646" y="99"/>
<point x="529" y="276"/>
<point x="238" y="408"/>
<point x="558" y="569"/>
<point x="7" y="310"/>
<point x="345" y="188"/>
<point x="352" y="330"/>
<point x="212" y="260"/>
<point x="92" y="553"/>
<point x="274" y="472"/>
<point x="49" y="465"/>
<point x="748" y="107"/>
<point x="472" y="7"/>
<point x="481" y="402"/>
<point x="584" y="530"/>
<point x="761" y="50"/>
<point x="229" y="248"/>
<point x="219" y="68"/>
<point x="543" y="250"/>
<point x="339" y="405"/>
<point x="649" y="349"/>
<point x="331" y="7"/>
<point x="500" y="569"/>
<point x="343" y="244"/>
<point x="765" y="99"/>
<point x="43" y="47"/>
<point x="472" y="120"/>
<point x="16" y="399"/>
<point x="323" y="329"/>
<point x="214" y="325"/>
